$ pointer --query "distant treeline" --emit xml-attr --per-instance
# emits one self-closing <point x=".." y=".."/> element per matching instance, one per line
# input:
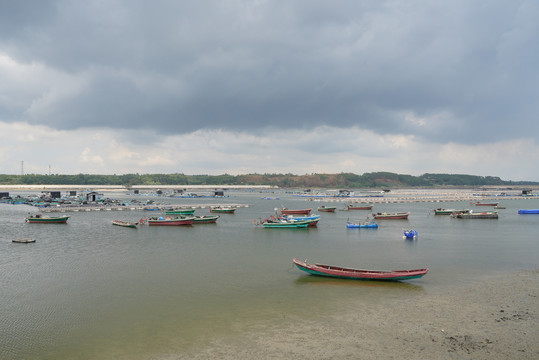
<point x="342" y="180"/>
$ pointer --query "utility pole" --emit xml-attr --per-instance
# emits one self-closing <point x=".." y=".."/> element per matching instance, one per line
<point x="22" y="167"/>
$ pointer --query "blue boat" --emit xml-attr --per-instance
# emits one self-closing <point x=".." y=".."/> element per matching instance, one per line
<point x="530" y="211"/>
<point x="410" y="234"/>
<point x="368" y="225"/>
<point x="299" y="217"/>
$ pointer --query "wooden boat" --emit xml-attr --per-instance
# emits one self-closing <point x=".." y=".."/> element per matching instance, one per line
<point x="206" y="219"/>
<point x="171" y="221"/>
<point x="223" y="210"/>
<point x="529" y="211"/>
<point x="357" y="274"/>
<point x="180" y="211"/>
<point x="486" y="204"/>
<point x="441" y="211"/>
<point x="364" y="225"/>
<point x="324" y="208"/>
<point x="474" y="215"/>
<point x="312" y="219"/>
<point x="359" y="207"/>
<point x="391" y="216"/>
<point x="273" y="223"/>
<point x="125" y="223"/>
<point x="24" y="241"/>
<point x="286" y="211"/>
<point x="40" y="219"/>
<point x="410" y="234"/>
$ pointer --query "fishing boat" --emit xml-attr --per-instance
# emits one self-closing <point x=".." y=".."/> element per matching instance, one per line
<point x="359" y="207"/>
<point x="286" y="211"/>
<point x="365" y="225"/>
<point x="528" y="211"/>
<point x="223" y="210"/>
<point x="325" y="208"/>
<point x="441" y="211"/>
<point x="474" y="215"/>
<point x="410" y="234"/>
<point x="299" y="217"/>
<point x="180" y="211"/>
<point x="171" y="221"/>
<point x="40" y="219"/>
<point x="124" y="223"/>
<point x="486" y="204"/>
<point x="357" y="274"/>
<point x="391" y="216"/>
<point x="281" y="223"/>
<point x="206" y="219"/>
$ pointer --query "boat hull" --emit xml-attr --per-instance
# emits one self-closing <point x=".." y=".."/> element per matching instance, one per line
<point x="371" y="225"/>
<point x="357" y="274"/>
<point x="125" y="224"/>
<point x="327" y="209"/>
<point x="205" y="219"/>
<point x="286" y="224"/>
<point x="171" y="222"/>
<point x="223" y="210"/>
<point x="47" y="220"/>
<point x="395" y="216"/>
<point x="360" y="207"/>
<point x="180" y="212"/>
<point x="296" y="212"/>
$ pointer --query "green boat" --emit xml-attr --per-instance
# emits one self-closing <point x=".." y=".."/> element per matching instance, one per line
<point x="271" y="224"/>
<point x="223" y="210"/>
<point x="206" y="219"/>
<point x="180" y="211"/>
<point x="40" y="219"/>
<point x="441" y="211"/>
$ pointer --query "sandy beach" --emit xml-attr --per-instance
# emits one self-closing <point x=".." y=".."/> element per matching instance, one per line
<point x="493" y="319"/>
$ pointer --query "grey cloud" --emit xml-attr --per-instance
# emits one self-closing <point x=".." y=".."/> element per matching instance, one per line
<point x="176" y="67"/>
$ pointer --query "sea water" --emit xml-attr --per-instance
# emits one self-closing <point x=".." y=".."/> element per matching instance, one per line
<point x="90" y="290"/>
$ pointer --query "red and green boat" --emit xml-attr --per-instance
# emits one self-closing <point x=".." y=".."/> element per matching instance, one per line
<point x="325" y="208"/>
<point x="358" y="274"/>
<point x="40" y="219"/>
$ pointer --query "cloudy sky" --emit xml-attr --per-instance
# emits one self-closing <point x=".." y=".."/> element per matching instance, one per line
<point x="305" y="86"/>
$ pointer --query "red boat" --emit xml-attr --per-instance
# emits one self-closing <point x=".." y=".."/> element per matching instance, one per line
<point x="286" y="211"/>
<point x="171" y="221"/>
<point x="487" y="204"/>
<point x="359" y="207"/>
<point x="357" y="274"/>
<point x="391" y="216"/>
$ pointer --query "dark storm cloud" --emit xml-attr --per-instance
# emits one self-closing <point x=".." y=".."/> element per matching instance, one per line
<point x="450" y="71"/>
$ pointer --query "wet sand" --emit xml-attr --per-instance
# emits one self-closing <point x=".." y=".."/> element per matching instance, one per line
<point x="494" y="319"/>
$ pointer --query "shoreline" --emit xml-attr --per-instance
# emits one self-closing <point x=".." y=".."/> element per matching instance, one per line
<point x="493" y="319"/>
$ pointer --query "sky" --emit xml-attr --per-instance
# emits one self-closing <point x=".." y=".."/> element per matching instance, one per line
<point x="239" y="87"/>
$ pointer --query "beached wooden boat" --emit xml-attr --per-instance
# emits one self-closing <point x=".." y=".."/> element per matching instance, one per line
<point x="24" y="240"/>
<point x="410" y="234"/>
<point x="486" y="204"/>
<point x="358" y="274"/>
<point x="40" y="219"/>
<point x="179" y="211"/>
<point x="528" y="211"/>
<point x="206" y="219"/>
<point x="324" y="208"/>
<point x="171" y="221"/>
<point x="273" y="223"/>
<point x="391" y="216"/>
<point x="363" y="225"/>
<point x="359" y="207"/>
<point x="286" y="211"/>
<point x="125" y="223"/>
<point x="441" y="211"/>
<point x="474" y="215"/>
<point x="223" y="210"/>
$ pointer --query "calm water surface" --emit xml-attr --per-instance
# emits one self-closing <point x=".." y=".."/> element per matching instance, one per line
<point x="90" y="290"/>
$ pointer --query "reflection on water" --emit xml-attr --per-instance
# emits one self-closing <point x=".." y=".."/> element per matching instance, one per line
<point x="92" y="290"/>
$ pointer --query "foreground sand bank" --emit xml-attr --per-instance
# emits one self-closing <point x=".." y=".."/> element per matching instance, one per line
<point x="494" y="319"/>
